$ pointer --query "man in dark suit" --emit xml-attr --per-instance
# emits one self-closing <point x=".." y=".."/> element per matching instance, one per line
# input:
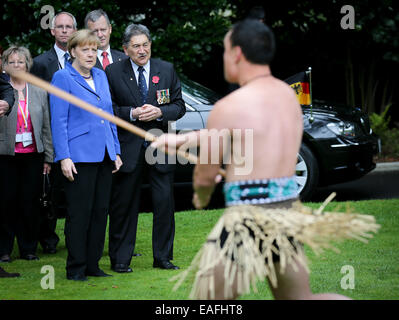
<point x="44" y="66"/>
<point x="98" y="22"/>
<point x="6" y="101"/>
<point x="6" y="97"/>
<point x="146" y="92"/>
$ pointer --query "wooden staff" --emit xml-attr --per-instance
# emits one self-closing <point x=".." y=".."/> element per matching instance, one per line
<point x="90" y="108"/>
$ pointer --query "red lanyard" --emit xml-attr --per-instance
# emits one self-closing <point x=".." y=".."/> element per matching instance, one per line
<point x="23" y="113"/>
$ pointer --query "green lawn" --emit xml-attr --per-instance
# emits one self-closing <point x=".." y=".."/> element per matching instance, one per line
<point x="376" y="264"/>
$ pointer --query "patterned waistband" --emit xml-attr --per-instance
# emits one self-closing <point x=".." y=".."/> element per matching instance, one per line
<point x="260" y="191"/>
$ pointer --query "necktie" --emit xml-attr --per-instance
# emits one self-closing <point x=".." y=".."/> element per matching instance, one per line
<point x="142" y="85"/>
<point x="105" y="59"/>
<point x="66" y="58"/>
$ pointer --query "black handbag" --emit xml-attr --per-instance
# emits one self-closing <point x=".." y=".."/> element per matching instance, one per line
<point x="46" y="204"/>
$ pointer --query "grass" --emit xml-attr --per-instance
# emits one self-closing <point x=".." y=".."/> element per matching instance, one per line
<point x="375" y="264"/>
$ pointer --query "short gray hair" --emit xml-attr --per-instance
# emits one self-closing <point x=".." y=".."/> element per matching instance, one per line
<point x="95" y="15"/>
<point x="22" y="51"/>
<point x="135" y="30"/>
<point x="75" y="25"/>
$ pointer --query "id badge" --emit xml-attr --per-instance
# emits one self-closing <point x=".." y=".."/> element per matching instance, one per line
<point x="27" y="136"/>
<point x="27" y="139"/>
<point x="18" y="137"/>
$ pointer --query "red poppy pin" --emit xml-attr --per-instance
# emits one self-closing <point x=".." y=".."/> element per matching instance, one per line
<point x="155" y="79"/>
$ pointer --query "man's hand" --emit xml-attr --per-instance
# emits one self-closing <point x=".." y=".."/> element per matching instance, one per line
<point x="169" y="142"/>
<point x="200" y="202"/>
<point x="46" y="168"/>
<point x="68" y="169"/>
<point x="3" y="107"/>
<point x="147" y="113"/>
<point x="202" y="195"/>
<point x="118" y="163"/>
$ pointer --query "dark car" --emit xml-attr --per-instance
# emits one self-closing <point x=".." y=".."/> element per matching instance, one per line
<point x="337" y="146"/>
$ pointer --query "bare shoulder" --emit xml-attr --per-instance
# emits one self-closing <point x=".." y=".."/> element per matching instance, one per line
<point x="283" y="88"/>
<point x="224" y="111"/>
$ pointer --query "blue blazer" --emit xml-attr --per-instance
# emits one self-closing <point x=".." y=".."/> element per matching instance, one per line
<point x="79" y="134"/>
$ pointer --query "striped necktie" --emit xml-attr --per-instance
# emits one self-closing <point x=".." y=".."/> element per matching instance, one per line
<point x="142" y="85"/>
<point x="66" y="58"/>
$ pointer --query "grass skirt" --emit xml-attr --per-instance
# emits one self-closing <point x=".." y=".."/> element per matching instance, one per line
<point x="255" y="233"/>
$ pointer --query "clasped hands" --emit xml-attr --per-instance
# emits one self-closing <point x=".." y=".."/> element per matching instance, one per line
<point x="147" y="112"/>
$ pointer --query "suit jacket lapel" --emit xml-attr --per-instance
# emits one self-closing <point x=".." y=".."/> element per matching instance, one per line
<point x="130" y="79"/>
<point x="97" y="83"/>
<point x="79" y="79"/>
<point x="34" y="105"/>
<point x="116" y="56"/>
<point x="98" y="64"/>
<point x="153" y="87"/>
<point x="31" y="105"/>
<point x="53" y="60"/>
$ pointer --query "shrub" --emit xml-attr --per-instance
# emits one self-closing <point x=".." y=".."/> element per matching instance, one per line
<point x="389" y="137"/>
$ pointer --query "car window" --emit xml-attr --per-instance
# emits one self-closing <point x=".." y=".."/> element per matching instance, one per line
<point x="194" y="93"/>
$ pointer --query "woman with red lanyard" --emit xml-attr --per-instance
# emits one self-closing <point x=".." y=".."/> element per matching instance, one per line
<point x="26" y="152"/>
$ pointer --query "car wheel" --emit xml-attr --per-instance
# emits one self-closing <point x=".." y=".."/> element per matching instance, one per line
<point x="307" y="173"/>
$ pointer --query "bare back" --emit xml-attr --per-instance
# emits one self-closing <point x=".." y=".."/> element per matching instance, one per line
<point x="269" y="109"/>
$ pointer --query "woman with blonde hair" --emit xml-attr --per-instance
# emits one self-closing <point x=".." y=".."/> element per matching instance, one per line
<point x="88" y="149"/>
<point x="26" y="153"/>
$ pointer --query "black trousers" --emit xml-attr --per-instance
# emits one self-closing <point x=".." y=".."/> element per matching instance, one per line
<point x="87" y="200"/>
<point x="20" y="186"/>
<point x="124" y="210"/>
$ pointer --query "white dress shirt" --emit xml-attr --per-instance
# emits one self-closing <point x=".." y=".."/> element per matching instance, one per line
<point x="146" y="74"/>
<point x="100" y="55"/>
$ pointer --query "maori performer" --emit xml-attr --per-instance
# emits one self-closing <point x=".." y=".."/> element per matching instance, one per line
<point x="261" y="233"/>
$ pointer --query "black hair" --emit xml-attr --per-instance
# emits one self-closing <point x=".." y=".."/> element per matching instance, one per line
<point x="255" y="39"/>
<point x="134" y="30"/>
<point x="256" y="13"/>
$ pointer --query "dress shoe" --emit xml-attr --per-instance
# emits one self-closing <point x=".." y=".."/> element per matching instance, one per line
<point x="5" y="258"/>
<point x="121" y="268"/>
<point x="98" y="273"/>
<point x="30" y="257"/>
<point x="49" y="249"/>
<point x="5" y="274"/>
<point x="165" y="264"/>
<point x="77" y="277"/>
<point x="137" y="254"/>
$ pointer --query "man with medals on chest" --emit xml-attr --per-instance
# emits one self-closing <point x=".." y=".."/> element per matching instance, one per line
<point x="146" y="92"/>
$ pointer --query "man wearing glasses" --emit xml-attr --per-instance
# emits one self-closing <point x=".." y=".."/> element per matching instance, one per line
<point x="44" y="66"/>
